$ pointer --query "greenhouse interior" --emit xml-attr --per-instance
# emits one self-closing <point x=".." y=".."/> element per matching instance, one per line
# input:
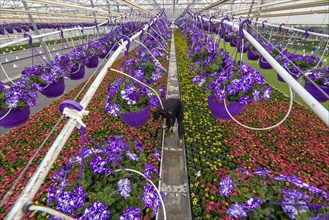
<point x="158" y="109"/>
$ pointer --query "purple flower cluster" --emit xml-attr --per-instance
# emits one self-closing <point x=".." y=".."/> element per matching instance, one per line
<point x="68" y="202"/>
<point x="149" y="170"/>
<point x="130" y="213"/>
<point x="96" y="211"/>
<point x="226" y="186"/>
<point x="151" y="198"/>
<point x="320" y="76"/>
<point x="241" y="210"/>
<point x="124" y="187"/>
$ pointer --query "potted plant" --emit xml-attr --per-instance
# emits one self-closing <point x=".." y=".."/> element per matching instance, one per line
<point x="49" y="78"/>
<point x="321" y="78"/>
<point x="273" y="51"/>
<point x="261" y="194"/>
<point x="252" y="53"/>
<point x="131" y="101"/>
<point x="237" y="83"/>
<point x="78" y="57"/>
<point x="114" y="182"/>
<point x="91" y="54"/>
<point x="15" y="103"/>
<point x="233" y="36"/>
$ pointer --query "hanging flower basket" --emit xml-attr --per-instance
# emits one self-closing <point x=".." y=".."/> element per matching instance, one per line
<point x="136" y="119"/>
<point x="104" y="55"/>
<point x="239" y="47"/>
<point x="18" y="29"/>
<point x="263" y="64"/>
<point x="15" y="117"/>
<point x="252" y="55"/>
<point x="92" y="62"/>
<point x="315" y="92"/>
<point x="218" y="109"/>
<point x="10" y="30"/>
<point x="78" y="72"/>
<point x="233" y="42"/>
<point x="54" y="90"/>
<point x="226" y="38"/>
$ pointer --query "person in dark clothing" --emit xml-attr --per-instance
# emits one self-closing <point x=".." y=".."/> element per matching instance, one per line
<point x="173" y="108"/>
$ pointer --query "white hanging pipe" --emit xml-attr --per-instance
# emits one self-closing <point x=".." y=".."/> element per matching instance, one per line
<point x="292" y="28"/>
<point x="316" y="106"/>
<point x="40" y="174"/>
<point x="70" y="6"/>
<point x="45" y="35"/>
<point x="264" y="5"/>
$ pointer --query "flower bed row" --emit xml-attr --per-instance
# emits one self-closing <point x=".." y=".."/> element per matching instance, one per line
<point x="215" y="148"/>
<point x="16" y="148"/>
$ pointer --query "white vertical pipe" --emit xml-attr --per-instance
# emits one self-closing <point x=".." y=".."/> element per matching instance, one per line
<point x="40" y="174"/>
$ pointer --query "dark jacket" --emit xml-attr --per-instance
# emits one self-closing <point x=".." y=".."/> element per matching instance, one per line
<point x="173" y="108"/>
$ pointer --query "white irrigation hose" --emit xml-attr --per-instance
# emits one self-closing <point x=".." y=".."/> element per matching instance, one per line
<point x="6" y="114"/>
<point x="266" y="128"/>
<point x="156" y="189"/>
<point x="50" y="211"/>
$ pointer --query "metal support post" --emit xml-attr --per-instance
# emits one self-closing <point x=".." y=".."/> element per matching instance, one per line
<point x="36" y="31"/>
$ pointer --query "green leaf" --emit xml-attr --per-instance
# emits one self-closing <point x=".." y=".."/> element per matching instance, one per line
<point x="115" y="216"/>
<point x="235" y="199"/>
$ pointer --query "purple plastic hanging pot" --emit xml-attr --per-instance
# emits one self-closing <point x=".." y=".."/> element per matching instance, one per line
<point x="263" y="64"/>
<point x="252" y="55"/>
<point x="16" y="117"/>
<point x="218" y="109"/>
<point x="136" y="119"/>
<point x="226" y="38"/>
<point x="316" y="93"/>
<point x="233" y="42"/>
<point x="104" y="55"/>
<point x="92" y="62"/>
<point x="18" y="29"/>
<point x="54" y="90"/>
<point x="10" y="30"/>
<point x="239" y="47"/>
<point x="78" y="72"/>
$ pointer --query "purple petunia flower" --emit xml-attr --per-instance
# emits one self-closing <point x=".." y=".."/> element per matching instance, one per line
<point x="132" y="156"/>
<point x="237" y="211"/>
<point x="66" y="203"/>
<point x="256" y="95"/>
<point x="51" y="194"/>
<point x="148" y="170"/>
<point x="154" y="101"/>
<point x="262" y="172"/>
<point x="225" y="186"/>
<point x="151" y="198"/>
<point x="96" y="211"/>
<point x="267" y="92"/>
<point x="245" y="100"/>
<point x="124" y="187"/>
<point x="252" y="204"/>
<point x="220" y="93"/>
<point x="115" y="145"/>
<point x="138" y="145"/>
<point x="98" y="165"/>
<point x="112" y="109"/>
<point x="130" y="213"/>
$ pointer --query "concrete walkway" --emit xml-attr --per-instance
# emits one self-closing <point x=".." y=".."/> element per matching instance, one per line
<point x="174" y="185"/>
